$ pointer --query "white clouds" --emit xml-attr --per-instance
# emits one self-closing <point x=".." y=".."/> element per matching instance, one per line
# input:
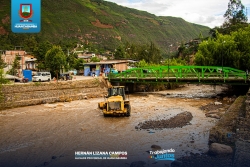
<point x="204" y="12"/>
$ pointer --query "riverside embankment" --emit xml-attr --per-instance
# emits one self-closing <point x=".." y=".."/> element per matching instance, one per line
<point x="26" y="94"/>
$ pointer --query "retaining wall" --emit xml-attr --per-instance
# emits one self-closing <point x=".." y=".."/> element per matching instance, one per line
<point x="25" y="94"/>
<point x="242" y="144"/>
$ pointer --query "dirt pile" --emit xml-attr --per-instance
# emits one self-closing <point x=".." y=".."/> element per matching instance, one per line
<point x="177" y="121"/>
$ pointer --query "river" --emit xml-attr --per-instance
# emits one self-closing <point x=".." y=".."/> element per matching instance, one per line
<point x="49" y="134"/>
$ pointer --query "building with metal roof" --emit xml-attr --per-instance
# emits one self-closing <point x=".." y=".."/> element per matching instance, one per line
<point x="105" y="67"/>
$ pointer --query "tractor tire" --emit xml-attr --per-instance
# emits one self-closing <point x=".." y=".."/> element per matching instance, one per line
<point x="127" y="106"/>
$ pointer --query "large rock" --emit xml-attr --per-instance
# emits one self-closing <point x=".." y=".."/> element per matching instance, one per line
<point x="155" y="147"/>
<point x="217" y="103"/>
<point x="217" y="149"/>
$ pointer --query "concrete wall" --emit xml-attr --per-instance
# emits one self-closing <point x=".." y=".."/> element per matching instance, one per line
<point x="242" y="144"/>
<point x="234" y="124"/>
<point x="49" y="92"/>
<point x="121" y="66"/>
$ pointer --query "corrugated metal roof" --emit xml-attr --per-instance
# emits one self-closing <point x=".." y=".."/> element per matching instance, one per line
<point x="106" y="62"/>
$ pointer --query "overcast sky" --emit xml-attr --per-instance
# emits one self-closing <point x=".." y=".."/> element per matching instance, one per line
<point x="204" y="12"/>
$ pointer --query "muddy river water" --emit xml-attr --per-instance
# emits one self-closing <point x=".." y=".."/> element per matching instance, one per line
<point x="49" y="134"/>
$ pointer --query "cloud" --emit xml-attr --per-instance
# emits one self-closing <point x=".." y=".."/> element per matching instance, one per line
<point x="209" y="13"/>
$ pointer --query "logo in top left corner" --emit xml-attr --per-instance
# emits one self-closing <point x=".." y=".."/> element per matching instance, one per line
<point x="26" y="16"/>
<point x="25" y="12"/>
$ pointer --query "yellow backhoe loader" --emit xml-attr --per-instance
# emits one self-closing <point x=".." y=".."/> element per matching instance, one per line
<point x="115" y="102"/>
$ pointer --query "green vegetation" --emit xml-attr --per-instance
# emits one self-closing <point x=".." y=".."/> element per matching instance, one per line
<point x="37" y="83"/>
<point x="149" y="53"/>
<point x="104" y="25"/>
<point x="235" y="18"/>
<point x="2" y="64"/>
<point x="55" y="60"/>
<point x="15" y="66"/>
<point x="3" y="80"/>
<point x="170" y="62"/>
<point x="226" y="50"/>
<point x="40" y="51"/>
<point x="94" y="59"/>
<point x="229" y="44"/>
<point x="101" y="26"/>
<point x="79" y="64"/>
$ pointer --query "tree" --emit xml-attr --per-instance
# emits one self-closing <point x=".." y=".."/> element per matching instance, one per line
<point x="174" y="62"/>
<point x="235" y="17"/>
<point x="235" y="13"/>
<point x="15" y="66"/>
<point x="30" y="44"/>
<point x="3" y="80"/>
<point x="2" y="63"/>
<point x="119" y="53"/>
<point x="94" y="59"/>
<point x="242" y="40"/>
<point x="40" y="52"/>
<point x="154" y="53"/>
<point x="55" y="60"/>
<point x="142" y="63"/>
<point x="226" y="50"/>
<point x="79" y="64"/>
<point x="71" y="60"/>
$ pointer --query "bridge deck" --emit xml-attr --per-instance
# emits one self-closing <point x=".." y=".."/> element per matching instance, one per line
<point x="208" y="74"/>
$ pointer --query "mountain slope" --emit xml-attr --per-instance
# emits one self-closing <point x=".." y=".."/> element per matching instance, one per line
<point x="102" y="23"/>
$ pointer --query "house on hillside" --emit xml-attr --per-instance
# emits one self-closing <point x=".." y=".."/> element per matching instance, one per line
<point x="192" y="43"/>
<point x="85" y="55"/>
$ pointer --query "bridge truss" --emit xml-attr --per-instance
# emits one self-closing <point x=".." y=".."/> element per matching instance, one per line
<point x="203" y="74"/>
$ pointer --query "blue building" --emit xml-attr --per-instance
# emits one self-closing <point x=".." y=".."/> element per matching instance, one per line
<point x="104" y="67"/>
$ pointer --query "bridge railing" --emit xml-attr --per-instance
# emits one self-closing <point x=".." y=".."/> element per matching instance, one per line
<point x="182" y="72"/>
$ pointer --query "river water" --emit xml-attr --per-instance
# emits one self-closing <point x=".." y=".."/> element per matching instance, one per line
<point x="49" y="134"/>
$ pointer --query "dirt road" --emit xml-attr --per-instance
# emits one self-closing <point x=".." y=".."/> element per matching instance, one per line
<point x="49" y="134"/>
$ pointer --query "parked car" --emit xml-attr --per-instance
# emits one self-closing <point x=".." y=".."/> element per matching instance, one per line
<point x="42" y="76"/>
<point x="73" y="72"/>
<point x="65" y="76"/>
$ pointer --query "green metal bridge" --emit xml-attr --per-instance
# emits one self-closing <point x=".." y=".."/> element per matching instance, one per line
<point x="190" y="74"/>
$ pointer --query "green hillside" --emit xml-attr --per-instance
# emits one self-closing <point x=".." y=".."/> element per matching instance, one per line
<point x="100" y="23"/>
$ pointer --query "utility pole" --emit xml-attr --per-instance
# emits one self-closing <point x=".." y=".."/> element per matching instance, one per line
<point x="222" y="55"/>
